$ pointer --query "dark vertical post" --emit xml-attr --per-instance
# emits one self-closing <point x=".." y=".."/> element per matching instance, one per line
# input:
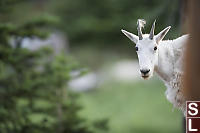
<point x="192" y="66"/>
<point x="191" y="80"/>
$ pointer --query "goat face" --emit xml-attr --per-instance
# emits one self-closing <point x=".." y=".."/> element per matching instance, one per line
<point x="147" y="48"/>
<point x="147" y="53"/>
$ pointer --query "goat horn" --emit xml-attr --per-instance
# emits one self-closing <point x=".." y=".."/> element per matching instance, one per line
<point x="152" y="30"/>
<point x="140" y="24"/>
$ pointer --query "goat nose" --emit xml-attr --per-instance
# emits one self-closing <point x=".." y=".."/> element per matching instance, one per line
<point x="144" y="71"/>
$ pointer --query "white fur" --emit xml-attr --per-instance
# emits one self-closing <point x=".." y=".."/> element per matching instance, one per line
<point x="166" y="61"/>
<point x="170" y="69"/>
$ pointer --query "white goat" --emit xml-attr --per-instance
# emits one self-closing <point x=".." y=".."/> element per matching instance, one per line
<point x="163" y="57"/>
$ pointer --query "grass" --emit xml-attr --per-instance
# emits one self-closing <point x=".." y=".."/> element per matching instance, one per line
<point x="138" y="107"/>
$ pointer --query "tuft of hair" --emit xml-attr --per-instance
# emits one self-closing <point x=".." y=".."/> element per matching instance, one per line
<point x="141" y="23"/>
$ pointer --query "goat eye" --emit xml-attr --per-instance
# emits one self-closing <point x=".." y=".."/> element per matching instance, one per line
<point x="155" y="48"/>
<point x="136" y="48"/>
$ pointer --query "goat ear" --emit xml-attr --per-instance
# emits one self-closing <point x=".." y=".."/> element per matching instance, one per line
<point x="162" y="34"/>
<point x="131" y="36"/>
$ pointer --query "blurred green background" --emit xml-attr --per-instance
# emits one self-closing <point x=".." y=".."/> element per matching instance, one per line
<point x="66" y="67"/>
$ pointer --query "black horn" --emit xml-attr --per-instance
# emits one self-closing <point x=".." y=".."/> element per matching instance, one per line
<point x="140" y="25"/>
<point x="151" y="35"/>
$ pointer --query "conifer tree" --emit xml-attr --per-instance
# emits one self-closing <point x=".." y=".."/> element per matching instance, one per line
<point x="33" y="85"/>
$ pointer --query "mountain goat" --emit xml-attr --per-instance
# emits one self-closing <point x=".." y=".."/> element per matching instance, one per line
<point x="164" y="57"/>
